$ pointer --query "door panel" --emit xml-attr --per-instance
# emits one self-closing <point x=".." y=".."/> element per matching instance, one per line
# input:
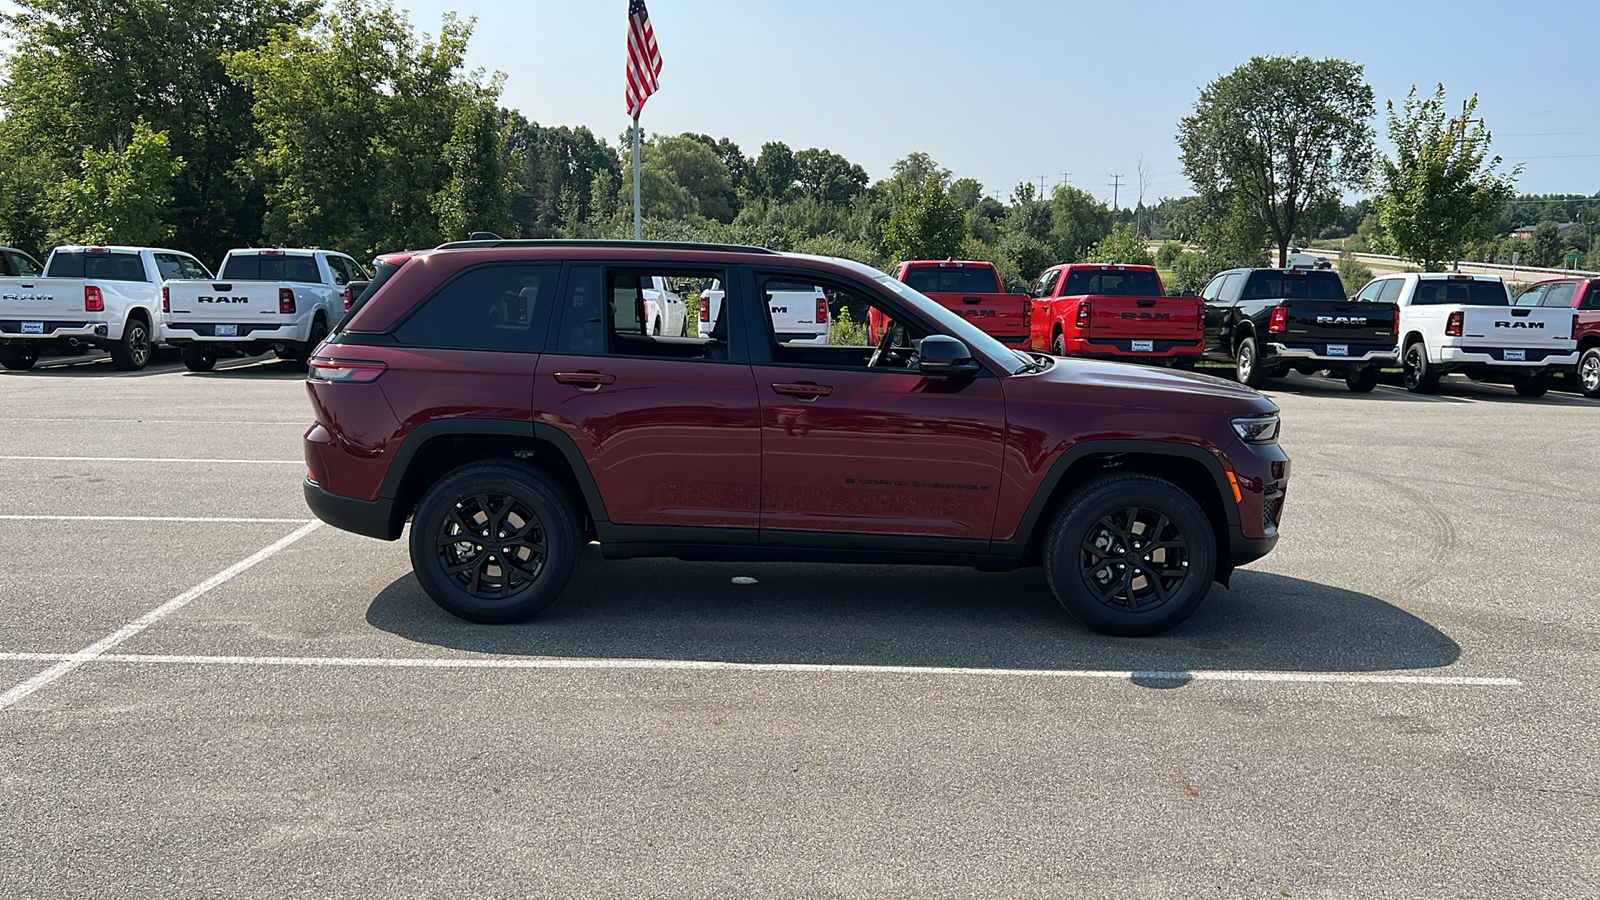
<point x="881" y="452"/>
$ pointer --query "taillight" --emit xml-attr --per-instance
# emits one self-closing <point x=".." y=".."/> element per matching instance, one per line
<point x="705" y="309"/>
<point x="822" y="311"/>
<point x="1279" y="323"/>
<point x="348" y="299"/>
<point x="286" y="301"/>
<point x="1027" y="313"/>
<point x="93" y="300"/>
<point x="1396" y="327"/>
<point x="1085" y="310"/>
<point x="1574" y="326"/>
<point x="345" y="371"/>
<point x="1456" y="325"/>
<point x="166" y="299"/>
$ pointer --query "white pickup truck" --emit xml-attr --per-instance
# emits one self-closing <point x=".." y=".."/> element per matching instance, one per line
<point x="1466" y="323"/>
<point x="649" y="305"/>
<point x="799" y="312"/>
<point x="103" y="297"/>
<point x="264" y="299"/>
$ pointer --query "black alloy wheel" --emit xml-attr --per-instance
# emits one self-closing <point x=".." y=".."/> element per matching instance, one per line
<point x="1130" y="554"/>
<point x="494" y="542"/>
<point x="16" y="358"/>
<point x="132" y="353"/>
<point x="1420" y="378"/>
<point x="1589" y="373"/>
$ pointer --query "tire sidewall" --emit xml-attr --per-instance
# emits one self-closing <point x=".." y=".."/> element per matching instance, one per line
<point x="1592" y="355"/>
<point x="1114" y="493"/>
<point x="1247" y="363"/>
<point x="546" y="498"/>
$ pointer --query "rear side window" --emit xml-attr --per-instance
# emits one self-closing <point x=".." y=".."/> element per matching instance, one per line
<point x="1111" y="283"/>
<point x="260" y="267"/>
<point x="1301" y="285"/>
<point x="1560" y="295"/>
<point x="952" y="280"/>
<point x="1591" y="296"/>
<point x="1460" y="292"/>
<point x="170" y="265"/>
<point x="103" y="266"/>
<point x="493" y="307"/>
<point x="1391" y="290"/>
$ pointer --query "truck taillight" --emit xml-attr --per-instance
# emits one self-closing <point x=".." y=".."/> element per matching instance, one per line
<point x="93" y="300"/>
<point x="348" y="299"/>
<point x="1279" y="323"/>
<point x="1574" y="326"/>
<point x="166" y="299"/>
<point x="1085" y="310"/>
<point x="286" y="301"/>
<point x="705" y="309"/>
<point x="1027" y="313"/>
<point x="1396" y="326"/>
<point x="822" y="311"/>
<point x="1456" y="325"/>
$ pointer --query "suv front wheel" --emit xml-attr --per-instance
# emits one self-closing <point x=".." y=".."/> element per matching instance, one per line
<point x="494" y="542"/>
<point x="1130" y="554"/>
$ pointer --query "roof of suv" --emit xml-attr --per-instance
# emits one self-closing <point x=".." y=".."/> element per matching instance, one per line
<point x="612" y="245"/>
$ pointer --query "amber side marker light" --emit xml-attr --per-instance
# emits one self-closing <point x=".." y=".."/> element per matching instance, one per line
<point x="1233" y="482"/>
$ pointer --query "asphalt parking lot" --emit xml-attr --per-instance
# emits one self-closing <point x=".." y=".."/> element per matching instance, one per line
<point x="203" y="693"/>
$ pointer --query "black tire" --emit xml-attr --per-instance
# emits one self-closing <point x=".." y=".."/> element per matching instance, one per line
<point x="1085" y="550"/>
<point x="1247" y="368"/>
<point x="1531" y="387"/>
<point x="199" y="357"/>
<point x="656" y="328"/>
<point x="1058" y="345"/>
<point x="1589" y="373"/>
<point x="1419" y="377"/>
<point x="1362" y="380"/>
<point x="468" y="579"/>
<point x="18" y="358"/>
<point x="132" y="353"/>
<point x="319" y="330"/>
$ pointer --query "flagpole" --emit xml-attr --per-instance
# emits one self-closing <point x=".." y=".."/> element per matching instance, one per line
<point x="636" y="178"/>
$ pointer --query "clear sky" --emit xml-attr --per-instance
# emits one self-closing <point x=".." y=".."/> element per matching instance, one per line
<point x="1009" y="90"/>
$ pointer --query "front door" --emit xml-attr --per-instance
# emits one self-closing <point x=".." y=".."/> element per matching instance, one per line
<point x="855" y="440"/>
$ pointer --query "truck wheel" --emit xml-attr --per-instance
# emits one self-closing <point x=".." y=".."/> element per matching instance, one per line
<point x="199" y="357"/>
<point x="656" y="328"/>
<point x="1130" y="554"/>
<point x="1247" y="366"/>
<point x="494" y="542"/>
<point x="1531" y="386"/>
<point x="1058" y="345"/>
<point x="1589" y="373"/>
<point x="319" y="330"/>
<point x="132" y="353"/>
<point x="18" y="358"/>
<point x="1362" y="380"/>
<point x="1420" y="377"/>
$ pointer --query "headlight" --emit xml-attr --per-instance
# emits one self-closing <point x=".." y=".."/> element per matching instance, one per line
<point x="1257" y="429"/>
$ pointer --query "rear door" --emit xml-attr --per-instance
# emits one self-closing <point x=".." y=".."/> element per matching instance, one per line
<point x="1219" y="297"/>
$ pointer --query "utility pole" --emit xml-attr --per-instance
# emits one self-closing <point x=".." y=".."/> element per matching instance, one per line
<point x="1041" y="185"/>
<point x="1116" y="189"/>
<point x="1064" y="176"/>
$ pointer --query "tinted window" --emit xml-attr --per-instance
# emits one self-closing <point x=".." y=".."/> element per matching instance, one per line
<point x="1461" y="292"/>
<point x="169" y="266"/>
<point x="1294" y="285"/>
<point x="1591" y="296"/>
<point x="1046" y="283"/>
<point x="584" y="311"/>
<point x="1391" y="290"/>
<point x="1111" y="283"/>
<point x="102" y="266"/>
<point x="1531" y="296"/>
<point x="23" y="265"/>
<point x="495" y="307"/>
<point x="1560" y="295"/>
<point x="1229" y="291"/>
<point x="192" y="268"/>
<point x="952" y="280"/>
<point x="261" y="267"/>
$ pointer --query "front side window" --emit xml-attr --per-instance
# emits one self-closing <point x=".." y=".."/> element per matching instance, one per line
<point x="491" y="307"/>
<point x="861" y="331"/>
<point x="1369" y="294"/>
<point x="23" y="265"/>
<point x="1046" y="284"/>
<point x="1532" y="296"/>
<point x="169" y="265"/>
<point x="1214" y="289"/>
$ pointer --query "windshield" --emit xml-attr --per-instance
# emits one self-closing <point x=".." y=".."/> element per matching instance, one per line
<point x="1460" y="292"/>
<point x="262" y="267"/>
<point x="948" y="321"/>
<point x="953" y="279"/>
<point x="1111" y="283"/>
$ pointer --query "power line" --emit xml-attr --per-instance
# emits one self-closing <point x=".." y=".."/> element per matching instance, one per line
<point x="1116" y="188"/>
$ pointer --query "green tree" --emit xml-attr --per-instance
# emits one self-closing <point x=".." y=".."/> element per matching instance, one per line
<point x="1278" y="139"/>
<point x="122" y="196"/>
<point x="1122" y="245"/>
<point x="698" y="170"/>
<point x="483" y="172"/>
<point x="827" y="177"/>
<point x="1077" y="222"/>
<point x="917" y="168"/>
<point x="773" y="175"/>
<point x="1353" y="274"/>
<point x="966" y="192"/>
<point x="1440" y="192"/>
<point x="1544" y="247"/>
<point x="558" y="177"/>
<point x="925" y="224"/>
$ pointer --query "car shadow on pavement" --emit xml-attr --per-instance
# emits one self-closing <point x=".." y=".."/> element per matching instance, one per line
<point x="916" y="616"/>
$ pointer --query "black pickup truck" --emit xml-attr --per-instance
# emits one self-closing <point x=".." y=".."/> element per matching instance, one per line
<point x="1268" y="321"/>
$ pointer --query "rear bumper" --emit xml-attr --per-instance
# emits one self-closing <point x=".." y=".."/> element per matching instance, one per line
<point x="1495" y="356"/>
<point x="1382" y="354"/>
<point x="1124" y="348"/>
<point x="195" y="332"/>
<point x="12" y="331"/>
<point x="370" y="518"/>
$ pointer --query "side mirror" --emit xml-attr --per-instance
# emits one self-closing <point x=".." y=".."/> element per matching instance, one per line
<point x="1187" y="294"/>
<point x="941" y="354"/>
<point x="1021" y="290"/>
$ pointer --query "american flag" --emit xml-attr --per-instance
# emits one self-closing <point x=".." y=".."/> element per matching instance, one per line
<point x="644" y="58"/>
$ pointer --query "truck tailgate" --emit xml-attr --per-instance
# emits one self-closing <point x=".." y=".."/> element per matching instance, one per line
<point x="1536" y="331"/>
<point x="204" y="303"/>
<point x="1358" y="328"/>
<point x="41" y="300"/>
<point x="1001" y="316"/>
<point x="1143" y="318"/>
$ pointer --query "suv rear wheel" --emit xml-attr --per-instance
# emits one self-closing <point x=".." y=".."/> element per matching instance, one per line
<point x="1130" y="554"/>
<point x="494" y="542"/>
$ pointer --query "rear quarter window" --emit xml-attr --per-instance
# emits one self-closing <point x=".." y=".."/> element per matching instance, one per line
<point x="492" y="307"/>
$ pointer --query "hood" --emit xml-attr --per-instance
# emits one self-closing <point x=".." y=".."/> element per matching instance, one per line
<point x="1116" y="375"/>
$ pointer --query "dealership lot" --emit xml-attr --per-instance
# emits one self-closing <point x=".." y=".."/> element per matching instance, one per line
<point x="203" y="693"/>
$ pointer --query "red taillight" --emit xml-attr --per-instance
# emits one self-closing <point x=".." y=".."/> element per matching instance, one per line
<point x="1574" y="326"/>
<point x="345" y="371"/>
<point x="348" y="299"/>
<point x="1456" y="325"/>
<point x="93" y="300"/>
<point x="286" y="301"/>
<point x="822" y="311"/>
<point x="1027" y="313"/>
<point x="166" y="299"/>
<point x="1085" y="310"/>
<point x="1279" y="323"/>
<point x="1397" y="320"/>
<point x="705" y="309"/>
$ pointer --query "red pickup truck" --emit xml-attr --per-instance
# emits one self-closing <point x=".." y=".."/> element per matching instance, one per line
<point x="970" y="289"/>
<point x="1114" y="311"/>
<point x="1582" y="296"/>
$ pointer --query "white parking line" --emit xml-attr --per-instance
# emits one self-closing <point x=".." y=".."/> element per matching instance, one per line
<point x="99" y="648"/>
<point x="153" y="459"/>
<point x="802" y="668"/>
<point x="210" y="519"/>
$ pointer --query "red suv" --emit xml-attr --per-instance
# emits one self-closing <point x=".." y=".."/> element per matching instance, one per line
<point x="511" y="401"/>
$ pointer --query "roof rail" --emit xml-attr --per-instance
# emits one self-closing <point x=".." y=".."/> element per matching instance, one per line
<point x="620" y="245"/>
